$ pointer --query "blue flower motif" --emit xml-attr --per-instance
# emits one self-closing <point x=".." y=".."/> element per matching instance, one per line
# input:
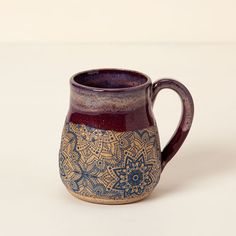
<point x="133" y="177"/>
<point x="86" y="178"/>
<point x="99" y="190"/>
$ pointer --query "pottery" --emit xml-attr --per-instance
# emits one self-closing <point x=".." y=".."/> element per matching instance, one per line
<point x="110" y="150"/>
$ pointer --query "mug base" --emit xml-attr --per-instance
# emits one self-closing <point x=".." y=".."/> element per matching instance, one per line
<point x="109" y="201"/>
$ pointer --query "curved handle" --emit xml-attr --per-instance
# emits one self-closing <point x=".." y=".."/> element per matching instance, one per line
<point x="186" y="119"/>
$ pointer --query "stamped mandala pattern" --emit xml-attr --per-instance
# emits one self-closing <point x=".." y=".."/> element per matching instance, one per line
<point x="108" y="164"/>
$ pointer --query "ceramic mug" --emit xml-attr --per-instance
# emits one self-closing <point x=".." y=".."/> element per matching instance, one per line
<point x="110" y="149"/>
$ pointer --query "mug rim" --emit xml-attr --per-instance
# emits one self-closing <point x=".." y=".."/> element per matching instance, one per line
<point x="76" y="84"/>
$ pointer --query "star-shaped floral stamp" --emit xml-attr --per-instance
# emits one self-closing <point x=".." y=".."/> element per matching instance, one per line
<point x="133" y="177"/>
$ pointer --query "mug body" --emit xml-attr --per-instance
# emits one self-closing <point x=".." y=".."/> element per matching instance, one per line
<point x="110" y="150"/>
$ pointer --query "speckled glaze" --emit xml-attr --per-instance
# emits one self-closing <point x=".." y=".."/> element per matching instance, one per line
<point x="110" y="149"/>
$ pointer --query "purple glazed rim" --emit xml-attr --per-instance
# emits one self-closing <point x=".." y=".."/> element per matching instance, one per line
<point x="115" y="71"/>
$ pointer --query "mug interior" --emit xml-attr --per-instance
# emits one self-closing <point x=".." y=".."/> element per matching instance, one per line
<point x="110" y="79"/>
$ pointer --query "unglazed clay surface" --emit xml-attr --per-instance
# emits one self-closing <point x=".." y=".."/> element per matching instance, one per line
<point x="110" y="167"/>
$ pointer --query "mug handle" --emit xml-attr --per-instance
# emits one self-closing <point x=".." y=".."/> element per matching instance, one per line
<point x="185" y="121"/>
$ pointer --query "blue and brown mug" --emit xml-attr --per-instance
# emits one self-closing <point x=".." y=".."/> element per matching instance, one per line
<point x="110" y="150"/>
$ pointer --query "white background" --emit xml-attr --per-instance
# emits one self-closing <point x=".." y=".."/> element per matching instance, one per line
<point x="44" y="43"/>
<point x="118" y="21"/>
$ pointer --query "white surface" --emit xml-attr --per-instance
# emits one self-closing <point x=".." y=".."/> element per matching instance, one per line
<point x="117" y="21"/>
<point x="197" y="192"/>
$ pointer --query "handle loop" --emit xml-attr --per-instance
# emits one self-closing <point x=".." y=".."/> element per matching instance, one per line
<point x="185" y="121"/>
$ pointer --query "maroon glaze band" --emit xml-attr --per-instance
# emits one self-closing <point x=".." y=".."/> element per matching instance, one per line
<point x="111" y="99"/>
